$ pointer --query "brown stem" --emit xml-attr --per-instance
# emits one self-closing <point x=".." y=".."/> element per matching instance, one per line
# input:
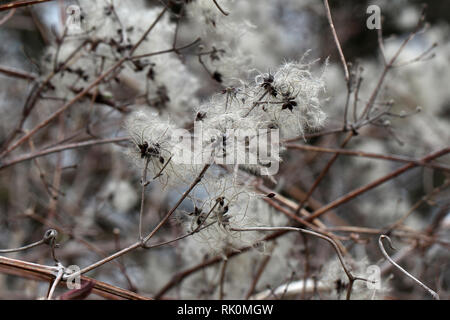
<point x="45" y="273"/>
<point x="63" y="108"/>
<point x="46" y="151"/>
<point x="351" y="195"/>
<point x="19" y="4"/>
<point x="146" y="55"/>
<point x="336" y="40"/>
<point x="17" y="73"/>
<point x="259" y="272"/>
<point x="358" y="153"/>
<point x="220" y="9"/>
<point x="185" y="194"/>
<point x="322" y="174"/>
<point x="142" y="243"/>
<point x="180" y="276"/>
<point x="150" y="28"/>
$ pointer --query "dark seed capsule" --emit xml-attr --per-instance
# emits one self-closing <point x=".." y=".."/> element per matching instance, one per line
<point x="217" y="76"/>
<point x="200" y="116"/>
<point x="289" y="105"/>
<point x="273" y="92"/>
<point x="143" y="149"/>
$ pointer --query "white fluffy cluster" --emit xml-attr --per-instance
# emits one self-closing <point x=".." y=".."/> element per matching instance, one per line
<point x="223" y="39"/>
<point x="221" y="200"/>
<point x="288" y="100"/>
<point x="161" y="82"/>
<point x="151" y="138"/>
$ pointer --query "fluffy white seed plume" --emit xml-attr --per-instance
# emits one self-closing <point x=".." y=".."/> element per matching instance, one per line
<point x="289" y="99"/>
<point x="151" y="136"/>
<point x="163" y="81"/>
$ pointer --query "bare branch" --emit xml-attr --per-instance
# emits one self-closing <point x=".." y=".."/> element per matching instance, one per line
<point x="383" y="251"/>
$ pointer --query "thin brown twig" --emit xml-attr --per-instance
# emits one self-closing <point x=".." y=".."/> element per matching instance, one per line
<point x="149" y="29"/>
<point x="355" y="98"/>
<point x="323" y="174"/>
<point x="180" y="276"/>
<point x="83" y="92"/>
<point x="387" y="67"/>
<point x="259" y="272"/>
<point x="185" y="194"/>
<point x="419" y="203"/>
<point x="315" y="135"/>
<point x="410" y="234"/>
<point x="351" y="195"/>
<point x="418" y="58"/>
<point x="146" y="55"/>
<point x="121" y="263"/>
<point x="36" y="92"/>
<point x="142" y="243"/>
<point x="63" y="108"/>
<point x="79" y="239"/>
<point x="286" y="287"/>
<point x="336" y="40"/>
<point x="17" y="73"/>
<point x="47" y="151"/>
<point x="18" y="4"/>
<point x="364" y="154"/>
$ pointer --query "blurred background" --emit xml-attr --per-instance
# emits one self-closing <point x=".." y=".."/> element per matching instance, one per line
<point x="91" y="195"/>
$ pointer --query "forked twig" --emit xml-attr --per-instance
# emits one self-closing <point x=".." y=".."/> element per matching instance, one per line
<point x="361" y="190"/>
<point x="56" y="281"/>
<point x="350" y="276"/>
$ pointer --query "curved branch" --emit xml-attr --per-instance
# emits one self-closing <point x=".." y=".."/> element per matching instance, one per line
<point x="350" y="276"/>
<point x="220" y="9"/>
<point x="383" y="251"/>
